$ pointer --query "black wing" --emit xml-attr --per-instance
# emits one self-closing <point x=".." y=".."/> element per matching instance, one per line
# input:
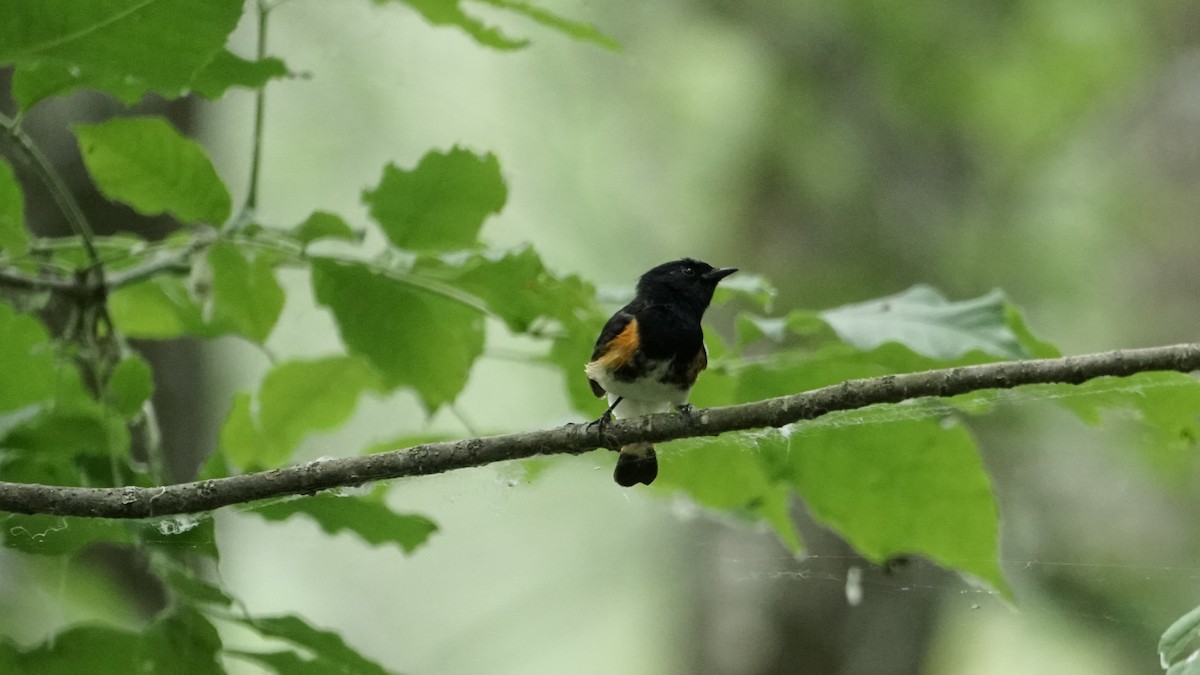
<point x="615" y="326"/>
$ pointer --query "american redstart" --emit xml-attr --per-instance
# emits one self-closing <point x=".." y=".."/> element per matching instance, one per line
<point x="650" y="352"/>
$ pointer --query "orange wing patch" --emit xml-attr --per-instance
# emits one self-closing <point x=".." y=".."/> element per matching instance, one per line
<point x="620" y="349"/>
<point x="698" y="364"/>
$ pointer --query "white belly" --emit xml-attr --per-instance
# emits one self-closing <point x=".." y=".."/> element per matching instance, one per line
<point x="641" y="397"/>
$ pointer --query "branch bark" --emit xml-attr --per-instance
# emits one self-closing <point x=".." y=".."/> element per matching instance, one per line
<point x="431" y="458"/>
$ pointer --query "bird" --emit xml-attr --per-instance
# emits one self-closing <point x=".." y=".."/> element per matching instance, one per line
<point x="650" y="352"/>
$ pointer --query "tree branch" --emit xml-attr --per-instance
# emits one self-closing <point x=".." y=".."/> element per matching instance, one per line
<point x="176" y="259"/>
<point x="11" y="278"/>
<point x="431" y="458"/>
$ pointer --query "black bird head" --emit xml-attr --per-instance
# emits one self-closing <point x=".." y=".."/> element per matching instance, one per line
<point x="686" y="280"/>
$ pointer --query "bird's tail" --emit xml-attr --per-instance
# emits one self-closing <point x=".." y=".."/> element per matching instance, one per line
<point x="637" y="463"/>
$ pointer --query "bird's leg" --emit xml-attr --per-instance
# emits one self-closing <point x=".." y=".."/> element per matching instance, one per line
<point x="685" y="409"/>
<point x="604" y="419"/>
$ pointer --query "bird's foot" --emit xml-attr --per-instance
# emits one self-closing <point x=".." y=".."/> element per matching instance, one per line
<point x="601" y="423"/>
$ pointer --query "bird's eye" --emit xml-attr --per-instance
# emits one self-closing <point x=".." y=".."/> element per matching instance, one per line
<point x="689" y="271"/>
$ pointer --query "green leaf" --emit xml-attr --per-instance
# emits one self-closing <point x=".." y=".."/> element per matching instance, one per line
<point x="1180" y="640"/>
<point x="441" y="204"/>
<point x="299" y="397"/>
<point x="91" y="649"/>
<point x="246" y="297"/>
<point x="123" y="47"/>
<point x="227" y="70"/>
<point x="70" y="430"/>
<point x="372" y="521"/>
<point x="923" y="320"/>
<point x="751" y="287"/>
<point x="574" y="29"/>
<point x="448" y="13"/>
<point x="907" y="486"/>
<point x="130" y="385"/>
<point x="187" y="586"/>
<point x="1165" y="404"/>
<point x="26" y="360"/>
<point x="514" y="285"/>
<point x="789" y="374"/>
<point x="146" y="163"/>
<point x="325" y="646"/>
<point x="183" y="642"/>
<point x="59" y="535"/>
<point x="240" y="295"/>
<point x="1189" y="667"/>
<point x="1034" y="346"/>
<point x="14" y="239"/>
<point x="241" y="441"/>
<point x="290" y="663"/>
<point x="296" y="399"/>
<point x="730" y="479"/>
<point x="324" y="225"/>
<point x="411" y="336"/>
<point x="159" y="308"/>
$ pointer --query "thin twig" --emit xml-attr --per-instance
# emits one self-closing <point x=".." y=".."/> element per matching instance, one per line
<point x="59" y="191"/>
<point x="251" y="205"/>
<point x="431" y="458"/>
<point x="11" y="278"/>
<point x="173" y="260"/>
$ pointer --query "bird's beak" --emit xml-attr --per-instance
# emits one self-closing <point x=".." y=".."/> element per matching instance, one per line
<point x="718" y="274"/>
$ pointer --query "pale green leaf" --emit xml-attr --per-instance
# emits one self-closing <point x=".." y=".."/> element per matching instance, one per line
<point x="157" y="309"/>
<point x="246" y="297"/>
<point x="130" y="385"/>
<point x="299" y="397"/>
<point x="441" y="204"/>
<point x="242" y="442"/>
<point x="728" y="478"/>
<point x="908" y="486"/>
<point x="26" y="360"/>
<point x="1181" y="639"/>
<point x="146" y="163"/>
<point x="296" y="399"/>
<point x="1166" y="406"/>
<point x="410" y="336"/>
<point x="924" y="321"/>
<point x="236" y="295"/>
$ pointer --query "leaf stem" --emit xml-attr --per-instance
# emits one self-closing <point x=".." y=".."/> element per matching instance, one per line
<point x="63" y="198"/>
<point x="260" y="97"/>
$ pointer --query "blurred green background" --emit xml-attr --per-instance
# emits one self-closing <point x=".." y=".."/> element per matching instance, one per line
<point x="843" y="150"/>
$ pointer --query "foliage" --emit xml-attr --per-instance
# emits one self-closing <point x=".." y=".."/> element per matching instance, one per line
<point x="413" y="315"/>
